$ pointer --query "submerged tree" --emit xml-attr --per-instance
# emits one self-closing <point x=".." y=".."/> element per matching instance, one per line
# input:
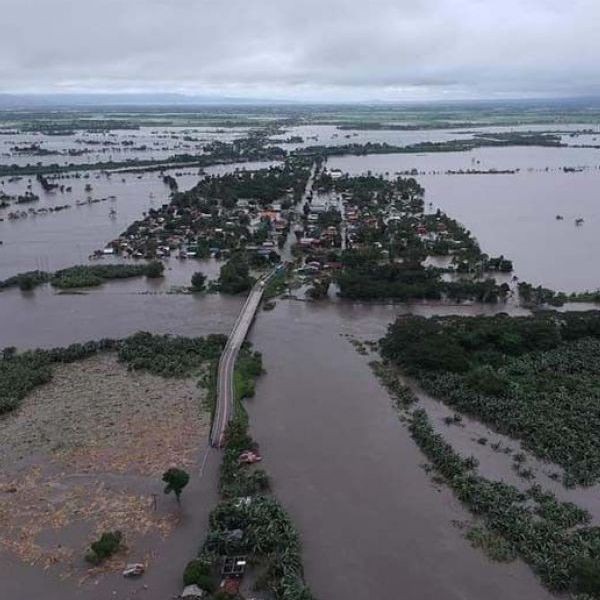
<point x="155" y="269"/>
<point x="176" y="479"/>
<point x="198" y="281"/>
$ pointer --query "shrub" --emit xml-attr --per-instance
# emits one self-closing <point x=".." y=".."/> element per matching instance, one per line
<point x="235" y="276"/>
<point x="105" y="547"/>
<point x="154" y="269"/>
<point x="587" y="577"/>
<point x="198" y="281"/>
<point x="26" y="283"/>
<point x="199" y="572"/>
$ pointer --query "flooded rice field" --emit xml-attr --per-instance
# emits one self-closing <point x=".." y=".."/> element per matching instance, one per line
<point x="515" y="215"/>
<point x="83" y="455"/>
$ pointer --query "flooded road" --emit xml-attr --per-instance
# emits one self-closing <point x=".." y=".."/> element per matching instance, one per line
<point x="372" y="523"/>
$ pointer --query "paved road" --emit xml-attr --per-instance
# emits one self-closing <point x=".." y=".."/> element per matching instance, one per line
<point x="225" y="391"/>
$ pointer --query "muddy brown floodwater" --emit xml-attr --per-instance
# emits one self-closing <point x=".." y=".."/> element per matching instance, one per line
<point x="84" y="455"/>
<point x="372" y="523"/>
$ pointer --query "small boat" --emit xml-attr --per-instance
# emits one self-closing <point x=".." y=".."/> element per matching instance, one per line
<point x="559" y="217"/>
<point x="579" y="222"/>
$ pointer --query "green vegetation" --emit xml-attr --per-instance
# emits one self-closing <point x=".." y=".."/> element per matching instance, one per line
<point x="494" y="545"/>
<point x="154" y="269"/>
<point x="390" y="378"/>
<point x="553" y="537"/>
<point x="593" y="297"/>
<point x="83" y="275"/>
<point x="521" y="375"/>
<point x="587" y="577"/>
<point x="198" y="281"/>
<point x="108" y="544"/>
<point x="276" y="286"/>
<point x="214" y="217"/>
<point x="247" y="369"/>
<point x="366" y="278"/>
<point x="176" y="479"/>
<point x="263" y="186"/>
<point x="200" y="573"/>
<point x="162" y="355"/>
<point x="235" y="275"/>
<point x="532" y="296"/>
<point x="457" y="145"/>
<point x="94" y="275"/>
<point x="25" y="281"/>
<point x="390" y="237"/>
<point x="169" y="356"/>
<point x="319" y="289"/>
<point x="236" y="480"/>
<point x="209" y="383"/>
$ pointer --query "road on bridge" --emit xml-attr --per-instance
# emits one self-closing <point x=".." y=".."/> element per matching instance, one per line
<point x="225" y="389"/>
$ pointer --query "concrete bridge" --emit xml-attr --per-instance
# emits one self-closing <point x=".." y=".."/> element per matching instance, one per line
<point x="225" y="389"/>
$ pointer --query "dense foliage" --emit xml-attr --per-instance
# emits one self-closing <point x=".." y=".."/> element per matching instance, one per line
<point x="82" y="275"/>
<point x="108" y="544"/>
<point x="169" y="356"/>
<point x="176" y="480"/>
<point x="199" y="572"/>
<point x="198" y="281"/>
<point x="456" y="145"/>
<point x="532" y="378"/>
<point x="235" y="275"/>
<point x="264" y="186"/>
<point x="390" y="238"/>
<point x="94" y="275"/>
<point x="161" y="355"/>
<point x="25" y="281"/>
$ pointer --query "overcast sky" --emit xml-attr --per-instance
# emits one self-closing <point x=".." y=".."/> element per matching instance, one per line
<point x="303" y="49"/>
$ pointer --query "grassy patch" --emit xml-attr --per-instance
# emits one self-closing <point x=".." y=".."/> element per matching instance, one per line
<point x="169" y="356"/>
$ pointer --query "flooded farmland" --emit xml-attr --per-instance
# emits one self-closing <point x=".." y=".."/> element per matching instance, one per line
<point x="371" y="519"/>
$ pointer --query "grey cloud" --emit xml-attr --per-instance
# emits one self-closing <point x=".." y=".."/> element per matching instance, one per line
<point x="346" y="49"/>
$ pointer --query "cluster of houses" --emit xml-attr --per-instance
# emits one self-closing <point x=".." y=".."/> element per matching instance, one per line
<point x="359" y="217"/>
<point x="316" y="232"/>
<point x="198" y="232"/>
